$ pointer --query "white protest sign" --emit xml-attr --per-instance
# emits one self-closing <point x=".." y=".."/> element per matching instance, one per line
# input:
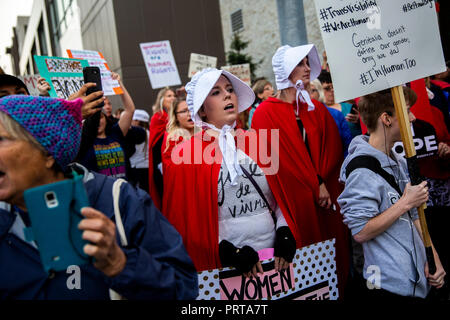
<point x="160" y="63"/>
<point x="242" y="71"/>
<point x="31" y="81"/>
<point x="199" y="62"/>
<point x="373" y="45"/>
<point x="96" y="59"/>
<point x="311" y="276"/>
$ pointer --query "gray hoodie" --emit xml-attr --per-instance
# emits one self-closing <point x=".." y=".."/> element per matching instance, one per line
<point x="398" y="253"/>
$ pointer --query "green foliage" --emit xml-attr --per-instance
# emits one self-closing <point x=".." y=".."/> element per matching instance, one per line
<point x="236" y="55"/>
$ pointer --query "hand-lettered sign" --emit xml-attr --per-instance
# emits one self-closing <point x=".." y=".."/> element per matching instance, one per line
<point x="373" y="45"/>
<point x="65" y="76"/>
<point x="242" y="71"/>
<point x="199" y="62"/>
<point x="31" y="81"/>
<point x="160" y="64"/>
<point x="96" y="59"/>
<point x="311" y="276"/>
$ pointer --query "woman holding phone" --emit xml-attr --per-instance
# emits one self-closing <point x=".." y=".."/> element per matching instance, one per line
<point x="39" y="138"/>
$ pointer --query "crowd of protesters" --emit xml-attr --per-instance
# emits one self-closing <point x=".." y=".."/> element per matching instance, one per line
<point x="200" y="197"/>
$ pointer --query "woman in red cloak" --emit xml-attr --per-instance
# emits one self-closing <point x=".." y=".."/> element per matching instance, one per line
<point x="310" y="154"/>
<point x="158" y="125"/>
<point x="224" y="208"/>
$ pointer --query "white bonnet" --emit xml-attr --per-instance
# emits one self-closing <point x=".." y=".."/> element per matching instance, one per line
<point x="287" y="58"/>
<point x="141" y="115"/>
<point x="203" y="81"/>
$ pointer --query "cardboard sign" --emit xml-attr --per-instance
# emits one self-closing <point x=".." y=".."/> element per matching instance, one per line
<point x="31" y="81"/>
<point x="311" y="276"/>
<point x="96" y="59"/>
<point x="424" y="138"/>
<point x="65" y="76"/>
<point x="199" y="62"/>
<point x="373" y="45"/>
<point x="242" y="71"/>
<point x="160" y="64"/>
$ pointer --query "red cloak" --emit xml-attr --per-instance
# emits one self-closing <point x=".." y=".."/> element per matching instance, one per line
<point x="296" y="183"/>
<point x="192" y="207"/>
<point x="158" y="126"/>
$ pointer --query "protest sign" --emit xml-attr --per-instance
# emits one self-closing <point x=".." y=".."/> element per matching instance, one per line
<point x="425" y="140"/>
<point x="373" y="45"/>
<point x="242" y="71"/>
<point x="160" y="64"/>
<point x="64" y="75"/>
<point x="31" y="81"/>
<point x="199" y="62"/>
<point x="96" y="59"/>
<point x="311" y="276"/>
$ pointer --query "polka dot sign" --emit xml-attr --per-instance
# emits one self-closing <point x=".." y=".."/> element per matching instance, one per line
<point x="312" y="276"/>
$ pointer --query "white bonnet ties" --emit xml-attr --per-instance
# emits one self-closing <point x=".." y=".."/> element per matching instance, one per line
<point x="303" y="95"/>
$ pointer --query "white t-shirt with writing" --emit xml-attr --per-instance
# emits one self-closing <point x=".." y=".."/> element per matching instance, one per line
<point x="244" y="218"/>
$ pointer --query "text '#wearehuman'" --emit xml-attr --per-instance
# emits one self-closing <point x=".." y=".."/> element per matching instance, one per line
<point x="264" y="146"/>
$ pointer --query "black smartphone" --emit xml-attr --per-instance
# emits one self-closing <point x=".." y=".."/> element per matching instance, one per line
<point x="92" y="74"/>
<point x="354" y="108"/>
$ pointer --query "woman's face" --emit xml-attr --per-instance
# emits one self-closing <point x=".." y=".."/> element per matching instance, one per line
<point x="102" y="124"/>
<point x="184" y="116"/>
<point x="268" y="92"/>
<point x="328" y="93"/>
<point x="168" y="100"/>
<point x="10" y="90"/>
<point x="22" y="166"/>
<point x="313" y="92"/>
<point x="301" y="72"/>
<point x="221" y="104"/>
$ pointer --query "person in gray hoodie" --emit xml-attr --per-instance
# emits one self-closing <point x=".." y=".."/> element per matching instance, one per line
<point x="385" y="222"/>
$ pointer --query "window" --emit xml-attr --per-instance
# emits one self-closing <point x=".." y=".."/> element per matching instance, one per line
<point x="42" y="39"/>
<point x="237" y="24"/>
<point x="59" y="10"/>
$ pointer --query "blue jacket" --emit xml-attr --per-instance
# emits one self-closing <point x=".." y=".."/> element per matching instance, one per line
<point x="158" y="266"/>
<point x="344" y="129"/>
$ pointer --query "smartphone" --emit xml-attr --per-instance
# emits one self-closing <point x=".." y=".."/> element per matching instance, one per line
<point x="354" y="108"/>
<point x="93" y="74"/>
<point x="55" y="212"/>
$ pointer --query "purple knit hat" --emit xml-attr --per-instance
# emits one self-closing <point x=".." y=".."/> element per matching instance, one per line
<point x="54" y="123"/>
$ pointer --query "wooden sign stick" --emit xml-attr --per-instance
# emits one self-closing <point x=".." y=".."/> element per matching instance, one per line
<point x="411" y="158"/>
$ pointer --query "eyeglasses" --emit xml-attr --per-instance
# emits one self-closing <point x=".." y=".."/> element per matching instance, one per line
<point x="328" y="88"/>
<point x="182" y="112"/>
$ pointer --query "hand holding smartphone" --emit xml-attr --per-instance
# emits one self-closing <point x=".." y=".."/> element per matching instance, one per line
<point x="92" y="74"/>
<point x="55" y="213"/>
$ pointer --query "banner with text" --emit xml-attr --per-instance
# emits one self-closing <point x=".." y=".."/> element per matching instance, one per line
<point x="242" y="71"/>
<point x="199" y="62"/>
<point x="160" y="63"/>
<point x="424" y="138"/>
<point x="64" y="75"/>
<point x="96" y="59"/>
<point x="311" y="276"/>
<point x="373" y="45"/>
<point x="31" y="81"/>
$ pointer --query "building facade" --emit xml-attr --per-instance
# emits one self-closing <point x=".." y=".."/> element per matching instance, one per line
<point x="269" y="24"/>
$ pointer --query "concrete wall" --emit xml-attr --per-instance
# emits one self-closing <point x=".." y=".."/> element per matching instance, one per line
<point x="312" y="26"/>
<point x="261" y="28"/>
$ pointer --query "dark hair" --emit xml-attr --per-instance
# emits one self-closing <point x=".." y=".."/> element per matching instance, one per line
<point x="325" y="77"/>
<point x="372" y="106"/>
<point x="9" y="80"/>
<point x="410" y="96"/>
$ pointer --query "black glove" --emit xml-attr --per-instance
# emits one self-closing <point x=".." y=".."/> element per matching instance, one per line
<point x="285" y="244"/>
<point x="242" y="259"/>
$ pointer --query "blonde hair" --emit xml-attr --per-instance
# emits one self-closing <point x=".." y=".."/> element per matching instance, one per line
<point x="174" y="130"/>
<point x="316" y="83"/>
<point x="158" y="106"/>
